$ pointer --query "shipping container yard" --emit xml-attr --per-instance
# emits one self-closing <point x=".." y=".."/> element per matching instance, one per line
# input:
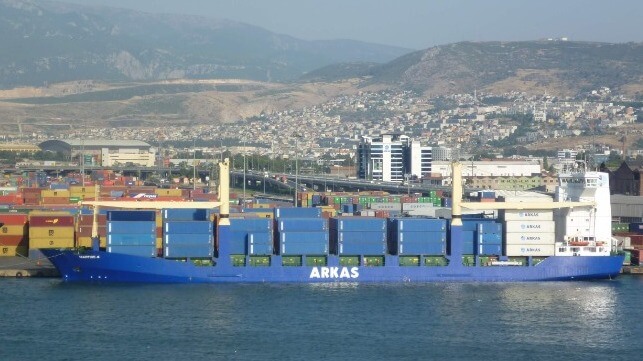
<point x="367" y="236"/>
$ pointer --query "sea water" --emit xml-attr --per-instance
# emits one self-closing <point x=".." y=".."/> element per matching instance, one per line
<point x="46" y="319"/>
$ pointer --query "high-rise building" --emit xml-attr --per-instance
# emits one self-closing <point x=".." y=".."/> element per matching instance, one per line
<point x="390" y="157"/>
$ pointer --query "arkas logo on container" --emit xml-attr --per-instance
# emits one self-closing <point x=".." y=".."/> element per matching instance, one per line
<point x="52" y="221"/>
<point x="334" y="272"/>
<point x="531" y="226"/>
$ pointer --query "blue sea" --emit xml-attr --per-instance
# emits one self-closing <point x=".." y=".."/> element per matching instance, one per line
<point x="45" y="319"/>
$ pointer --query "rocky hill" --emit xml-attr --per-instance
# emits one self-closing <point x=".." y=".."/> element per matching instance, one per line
<point x="49" y="42"/>
<point x="558" y="67"/>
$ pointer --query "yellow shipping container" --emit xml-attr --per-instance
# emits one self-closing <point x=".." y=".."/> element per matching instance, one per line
<point x="48" y="213"/>
<point x="159" y="242"/>
<point x="82" y="196"/>
<point x="55" y="193"/>
<point x="13" y="251"/>
<point x="89" y="190"/>
<point x="51" y="232"/>
<point x="87" y="242"/>
<point x="168" y="192"/>
<point x="258" y="205"/>
<point x="14" y="230"/>
<point x="50" y="243"/>
<point x="263" y="214"/>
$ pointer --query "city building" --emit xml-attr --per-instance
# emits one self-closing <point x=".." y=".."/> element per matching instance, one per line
<point x="419" y="159"/>
<point x="382" y="158"/>
<point x="102" y="152"/>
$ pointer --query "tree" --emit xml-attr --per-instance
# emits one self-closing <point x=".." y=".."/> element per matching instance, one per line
<point x="545" y="163"/>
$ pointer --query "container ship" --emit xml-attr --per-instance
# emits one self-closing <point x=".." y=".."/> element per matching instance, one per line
<point x="566" y="238"/>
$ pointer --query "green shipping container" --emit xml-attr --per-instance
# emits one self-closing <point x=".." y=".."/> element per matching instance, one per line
<point x="374" y="261"/>
<point x="348" y="261"/>
<point x="315" y="261"/>
<point x="238" y="260"/>
<point x="628" y="258"/>
<point x="409" y="261"/>
<point x="436" y="261"/>
<point x="291" y="261"/>
<point x="468" y="260"/>
<point x="259" y="261"/>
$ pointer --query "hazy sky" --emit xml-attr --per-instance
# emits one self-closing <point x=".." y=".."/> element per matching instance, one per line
<point x="418" y="24"/>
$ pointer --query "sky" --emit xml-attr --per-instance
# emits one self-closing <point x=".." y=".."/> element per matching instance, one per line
<point x="417" y="24"/>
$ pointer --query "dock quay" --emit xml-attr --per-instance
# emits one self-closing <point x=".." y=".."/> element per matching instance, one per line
<point x="17" y="267"/>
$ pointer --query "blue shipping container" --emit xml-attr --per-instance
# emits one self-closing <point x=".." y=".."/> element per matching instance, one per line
<point x="257" y="238"/>
<point x="251" y="225"/>
<point x="490" y="249"/>
<point x="468" y="247"/>
<point x="418" y="224"/>
<point x="298" y="212"/>
<point x="490" y="238"/>
<point x="636" y="228"/>
<point x="237" y="242"/>
<point x="296" y="243"/>
<point x="472" y="224"/>
<point x="188" y="239"/>
<point x="142" y="227"/>
<point x="357" y="249"/>
<point x="259" y="248"/>
<point x="427" y="237"/>
<point x="131" y="215"/>
<point x="302" y="224"/>
<point x="191" y="214"/>
<point x="489" y="227"/>
<point x="198" y="251"/>
<point x="378" y="236"/>
<point x="142" y="251"/>
<point x="135" y="239"/>
<point x="358" y="224"/>
<point x="422" y="248"/>
<point x="188" y="227"/>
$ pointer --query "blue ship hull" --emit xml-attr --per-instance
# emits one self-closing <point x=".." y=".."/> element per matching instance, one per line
<point x="100" y="266"/>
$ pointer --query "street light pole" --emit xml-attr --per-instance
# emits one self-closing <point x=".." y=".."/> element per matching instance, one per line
<point x="194" y="164"/>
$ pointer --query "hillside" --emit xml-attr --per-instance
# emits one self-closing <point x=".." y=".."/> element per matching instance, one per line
<point x="557" y="67"/>
<point x="54" y="42"/>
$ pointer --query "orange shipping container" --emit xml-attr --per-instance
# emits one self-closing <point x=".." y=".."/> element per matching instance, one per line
<point x="18" y="240"/>
<point x="13" y="218"/>
<point x="55" y="200"/>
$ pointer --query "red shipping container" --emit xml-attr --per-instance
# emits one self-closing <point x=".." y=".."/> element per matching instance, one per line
<point x="14" y="240"/>
<point x="86" y="231"/>
<point x="636" y="239"/>
<point x="55" y="200"/>
<point x="14" y="219"/>
<point x="88" y="220"/>
<point x="51" y="221"/>
<point x="26" y="191"/>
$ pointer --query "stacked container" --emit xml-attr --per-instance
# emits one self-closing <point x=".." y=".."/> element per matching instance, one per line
<point x="302" y="236"/>
<point x="31" y="196"/>
<point x="257" y="232"/>
<point x="51" y="230"/>
<point x="529" y="232"/>
<point x="188" y="233"/>
<point x="55" y="196"/>
<point x="417" y="236"/>
<point x="79" y="193"/>
<point x="84" y="230"/>
<point x="489" y="239"/>
<point x="14" y="234"/>
<point x="357" y="236"/>
<point x="132" y="233"/>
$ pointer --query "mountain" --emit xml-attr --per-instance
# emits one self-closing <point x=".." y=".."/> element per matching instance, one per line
<point x="558" y="67"/>
<point x="53" y="42"/>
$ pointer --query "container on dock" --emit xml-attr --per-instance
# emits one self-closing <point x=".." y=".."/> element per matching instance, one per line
<point x="636" y="227"/>
<point x="35" y="242"/>
<point x="56" y="220"/>
<point x="13" y="251"/>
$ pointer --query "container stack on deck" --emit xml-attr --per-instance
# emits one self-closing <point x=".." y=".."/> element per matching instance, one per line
<point x="188" y="233"/>
<point x="132" y="233"/>
<point x="529" y="232"/>
<point x="301" y="232"/>
<point x="357" y="238"/>
<point x="242" y="231"/>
